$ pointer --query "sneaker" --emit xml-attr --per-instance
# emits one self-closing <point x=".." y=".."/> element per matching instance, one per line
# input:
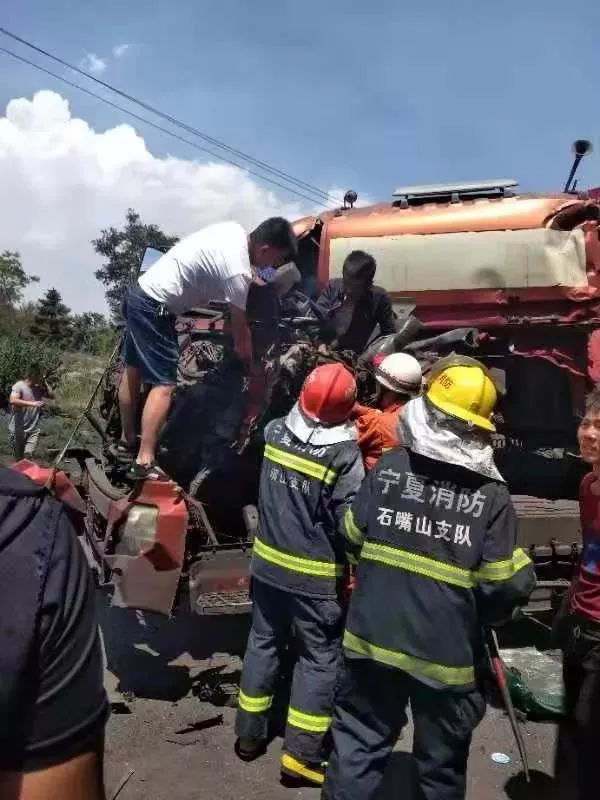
<point x="145" y="472"/>
<point x="249" y="749"/>
<point x="299" y="773"/>
<point x="122" y="451"/>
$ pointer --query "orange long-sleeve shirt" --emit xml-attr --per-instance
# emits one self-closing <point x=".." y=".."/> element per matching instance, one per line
<point x="377" y="431"/>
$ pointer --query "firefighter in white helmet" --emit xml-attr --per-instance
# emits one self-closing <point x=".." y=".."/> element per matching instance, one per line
<point x="399" y="379"/>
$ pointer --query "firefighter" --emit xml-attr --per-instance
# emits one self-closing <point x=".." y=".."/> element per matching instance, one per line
<point x="399" y="378"/>
<point x="311" y="472"/>
<point x="435" y="529"/>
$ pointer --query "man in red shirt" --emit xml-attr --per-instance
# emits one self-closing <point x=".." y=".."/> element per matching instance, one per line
<point x="581" y="642"/>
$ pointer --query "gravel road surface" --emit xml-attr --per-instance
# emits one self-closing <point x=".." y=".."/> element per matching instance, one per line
<point x="175" y="726"/>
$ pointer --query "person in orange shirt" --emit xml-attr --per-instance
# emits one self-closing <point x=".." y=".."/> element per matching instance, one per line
<point x="399" y="378"/>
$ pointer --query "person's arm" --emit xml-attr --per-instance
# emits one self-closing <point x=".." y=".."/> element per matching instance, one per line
<point x="356" y="519"/>
<point x="324" y="307"/>
<point x="79" y="778"/>
<point x="326" y="302"/>
<point x="368" y="421"/>
<point x="236" y="294"/>
<point x="385" y="315"/>
<point x="349" y="480"/>
<point x="48" y="390"/>
<point x="17" y="401"/>
<point x="506" y="575"/>
<point x="242" y="338"/>
<point x="58" y="755"/>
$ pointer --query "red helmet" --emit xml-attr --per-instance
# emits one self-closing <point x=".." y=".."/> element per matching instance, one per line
<point x="328" y="394"/>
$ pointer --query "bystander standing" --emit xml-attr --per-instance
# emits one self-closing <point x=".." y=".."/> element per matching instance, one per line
<point x="27" y="398"/>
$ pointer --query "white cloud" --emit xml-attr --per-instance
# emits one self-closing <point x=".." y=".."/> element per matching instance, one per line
<point x="62" y="182"/>
<point x="119" y="50"/>
<point x="94" y="64"/>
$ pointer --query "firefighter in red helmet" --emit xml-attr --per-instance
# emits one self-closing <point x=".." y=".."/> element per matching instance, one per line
<point x="311" y="472"/>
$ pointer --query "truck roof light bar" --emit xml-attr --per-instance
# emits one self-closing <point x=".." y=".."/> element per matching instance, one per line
<point x="453" y="192"/>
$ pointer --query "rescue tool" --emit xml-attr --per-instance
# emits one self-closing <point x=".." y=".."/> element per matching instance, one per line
<point x="491" y="641"/>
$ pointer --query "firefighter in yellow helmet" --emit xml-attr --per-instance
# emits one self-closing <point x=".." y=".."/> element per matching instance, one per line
<point x="433" y="530"/>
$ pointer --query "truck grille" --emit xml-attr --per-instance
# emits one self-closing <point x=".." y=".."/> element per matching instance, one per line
<point x="222" y="603"/>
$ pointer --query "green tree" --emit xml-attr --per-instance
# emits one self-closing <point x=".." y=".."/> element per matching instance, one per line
<point x="13" y="279"/>
<point x="52" y="322"/>
<point x="91" y="333"/>
<point x="124" y="250"/>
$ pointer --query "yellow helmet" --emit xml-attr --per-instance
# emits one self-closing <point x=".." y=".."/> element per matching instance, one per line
<point x="466" y="392"/>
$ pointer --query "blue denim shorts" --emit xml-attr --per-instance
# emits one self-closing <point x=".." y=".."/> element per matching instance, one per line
<point x="151" y="339"/>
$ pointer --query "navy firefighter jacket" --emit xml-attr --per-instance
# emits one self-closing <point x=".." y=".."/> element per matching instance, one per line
<point x="437" y="561"/>
<point x="306" y="487"/>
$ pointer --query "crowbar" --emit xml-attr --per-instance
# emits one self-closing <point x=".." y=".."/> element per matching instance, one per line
<point x="491" y="641"/>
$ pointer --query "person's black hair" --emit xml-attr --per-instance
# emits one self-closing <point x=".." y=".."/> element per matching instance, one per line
<point x="34" y="368"/>
<point x="359" y="264"/>
<point x="276" y="232"/>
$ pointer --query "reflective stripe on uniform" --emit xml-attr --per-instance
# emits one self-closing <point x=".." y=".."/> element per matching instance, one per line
<point x="411" y="562"/>
<point x="254" y="705"/>
<point x="449" y="676"/>
<point x="306" y="566"/>
<point x="493" y="571"/>
<point x="295" y="767"/>
<point x="313" y="723"/>
<point x="300" y="464"/>
<point x="353" y="532"/>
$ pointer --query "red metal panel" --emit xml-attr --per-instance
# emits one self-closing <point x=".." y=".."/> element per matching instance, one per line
<point x="62" y="487"/>
<point x="150" y="579"/>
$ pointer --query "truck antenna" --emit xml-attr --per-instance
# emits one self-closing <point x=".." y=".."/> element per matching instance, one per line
<point x="581" y="148"/>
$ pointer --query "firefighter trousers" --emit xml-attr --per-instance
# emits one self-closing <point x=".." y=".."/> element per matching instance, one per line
<point x="313" y="628"/>
<point x="370" y="712"/>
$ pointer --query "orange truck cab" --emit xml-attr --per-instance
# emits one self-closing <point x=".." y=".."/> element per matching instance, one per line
<point x="521" y="270"/>
<point x="524" y="271"/>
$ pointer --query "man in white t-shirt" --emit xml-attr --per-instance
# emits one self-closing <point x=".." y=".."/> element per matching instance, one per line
<point x="216" y="263"/>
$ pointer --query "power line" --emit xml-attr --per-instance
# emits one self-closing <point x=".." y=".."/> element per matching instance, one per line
<point x="280" y="174"/>
<point x="173" y="120"/>
<point x="152" y="124"/>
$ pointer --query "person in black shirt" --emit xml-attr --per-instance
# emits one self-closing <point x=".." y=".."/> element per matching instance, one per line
<point x="351" y="308"/>
<point x="53" y="707"/>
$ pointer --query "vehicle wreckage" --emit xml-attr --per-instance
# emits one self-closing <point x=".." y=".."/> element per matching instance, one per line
<point x="477" y="269"/>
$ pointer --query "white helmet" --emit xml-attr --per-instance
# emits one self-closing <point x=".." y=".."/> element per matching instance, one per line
<point x="400" y="373"/>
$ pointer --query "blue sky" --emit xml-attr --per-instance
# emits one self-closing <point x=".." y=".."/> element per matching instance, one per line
<point x="368" y="95"/>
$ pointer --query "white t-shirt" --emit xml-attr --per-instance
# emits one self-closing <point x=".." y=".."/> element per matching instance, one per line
<point x="212" y="264"/>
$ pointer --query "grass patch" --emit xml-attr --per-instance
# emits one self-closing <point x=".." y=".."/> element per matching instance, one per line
<point x="82" y="373"/>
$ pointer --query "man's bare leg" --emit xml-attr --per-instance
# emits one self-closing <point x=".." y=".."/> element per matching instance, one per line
<point x="129" y="397"/>
<point x="154" y="417"/>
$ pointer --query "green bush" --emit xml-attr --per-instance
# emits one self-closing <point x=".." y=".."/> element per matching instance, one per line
<point x="16" y="354"/>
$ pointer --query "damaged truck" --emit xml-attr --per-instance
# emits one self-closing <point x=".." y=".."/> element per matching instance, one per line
<point x="480" y="269"/>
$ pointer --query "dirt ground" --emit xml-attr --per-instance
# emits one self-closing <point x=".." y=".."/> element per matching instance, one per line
<point x="175" y="728"/>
